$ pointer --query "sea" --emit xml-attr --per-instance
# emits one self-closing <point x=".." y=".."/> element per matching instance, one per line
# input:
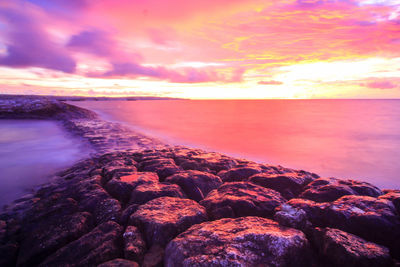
<point x="31" y="151"/>
<point x="349" y="139"/>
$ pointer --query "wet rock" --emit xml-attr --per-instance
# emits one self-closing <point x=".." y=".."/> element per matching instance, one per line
<point x="239" y="199"/>
<point x="195" y="184"/>
<point x="238" y="174"/>
<point x="119" y="263"/>
<point x="154" y="257"/>
<point x="245" y="241"/>
<point x="134" y="244"/>
<point x="290" y="185"/>
<point x="98" y="246"/>
<point x="146" y="192"/>
<point x="394" y="196"/>
<point x="163" y="218"/>
<point x="116" y="170"/>
<point x="45" y="237"/>
<point x="330" y="189"/>
<point x="338" y="248"/>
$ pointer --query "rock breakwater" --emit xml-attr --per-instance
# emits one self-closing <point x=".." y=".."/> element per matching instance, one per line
<point x="139" y="202"/>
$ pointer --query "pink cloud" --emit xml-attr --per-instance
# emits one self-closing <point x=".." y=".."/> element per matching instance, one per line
<point x="271" y="82"/>
<point x="381" y="85"/>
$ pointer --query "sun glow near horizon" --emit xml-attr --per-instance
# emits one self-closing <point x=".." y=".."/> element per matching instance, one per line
<point x="201" y="50"/>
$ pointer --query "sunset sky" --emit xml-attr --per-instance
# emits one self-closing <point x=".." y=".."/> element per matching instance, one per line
<point x="201" y="49"/>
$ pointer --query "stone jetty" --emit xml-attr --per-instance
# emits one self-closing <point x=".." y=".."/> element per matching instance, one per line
<point x="139" y="202"/>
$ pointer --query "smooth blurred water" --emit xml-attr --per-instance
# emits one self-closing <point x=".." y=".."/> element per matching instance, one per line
<point x="357" y="139"/>
<point x="30" y="152"/>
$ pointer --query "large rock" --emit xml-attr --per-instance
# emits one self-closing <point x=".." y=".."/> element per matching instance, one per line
<point x="163" y="218"/>
<point x="290" y="185"/>
<point x="119" y="189"/>
<point x="146" y="192"/>
<point x="195" y="184"/>
<point x="338" y="248"/>
<point x="245" y="241"/>
<point x="164" y="167"/>
<point x="134" y="244"/>
<point x="330" y="189"/>
<point x="239" y="173"/>
<point x="373" y="219"/>
<point x="239" y="199"/>
<point x="46" y="236"/>
<point x="394" y="196"/>
<point x="98" y="246"/>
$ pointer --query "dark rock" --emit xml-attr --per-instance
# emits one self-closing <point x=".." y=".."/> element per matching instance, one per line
<point x="116" y="170"/>
<point x="134" y="244"/>
<point x="290" y="216"/>
<point x="119" y="189"/>
<point x="163" y="218"/>
<point x="338" y="248"/>
<point x="8" y="254"/>
<point x="238" y="174"/>
<point x="394" y="196"/>
<point x="154" y="257"/>
<point x="290" y="185"/>
<point x="245" y="241"/>
<point x="107" y="210"/>
<point x="195" y="184"/>
<point x="128" y="211"/>
<point x="45" y="237"/>
<point x="146" y="192"/>
<point x="330" y="189"/>
<point x="119" y="263"/>
<point x="98" y="246"/>
<point x="239" y="199"/>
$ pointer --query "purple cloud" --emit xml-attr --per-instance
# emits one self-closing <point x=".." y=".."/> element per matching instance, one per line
<point x="28" y="45"/>
<point x="95" y="42"/>
<point x="271" y="82"/>
<point x="187" y="75"/>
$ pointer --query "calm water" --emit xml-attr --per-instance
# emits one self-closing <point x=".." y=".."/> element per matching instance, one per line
<point x="357" y="139"/>
<point x="30" y="152"/>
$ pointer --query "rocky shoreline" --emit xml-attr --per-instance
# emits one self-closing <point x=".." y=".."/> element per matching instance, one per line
<point x="139" y="202"/>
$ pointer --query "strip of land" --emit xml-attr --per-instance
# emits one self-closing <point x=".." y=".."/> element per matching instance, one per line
<point x="138" y="201"/>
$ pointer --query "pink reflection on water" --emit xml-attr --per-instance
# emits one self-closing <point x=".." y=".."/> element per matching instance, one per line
<point x="357" y="139"/>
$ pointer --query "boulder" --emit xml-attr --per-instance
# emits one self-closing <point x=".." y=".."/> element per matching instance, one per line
<point x="330" y="189"/>
<point x="338" y="248"/>
<point x="98" y="246"/>
<point x="134" y="244"/>
<point x="239" y="199"/>
<point x="373" y="219"/>
<point x="146" y="192"/>
<point x="107" y="210"/>
<point x="44" y="237"/>
<point x="119" y="189"/>
<point x="164" y="167"/>
<point x="394" y="196"/>
<point x="139" y="178"/>
<point x="238" y="173"/>
<point x="245" y="241"/>
<point x="290" y="185"/>
<point x="163" y="218"/>
<point x="119" y="263"/>
<point x="195" y="184"/>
